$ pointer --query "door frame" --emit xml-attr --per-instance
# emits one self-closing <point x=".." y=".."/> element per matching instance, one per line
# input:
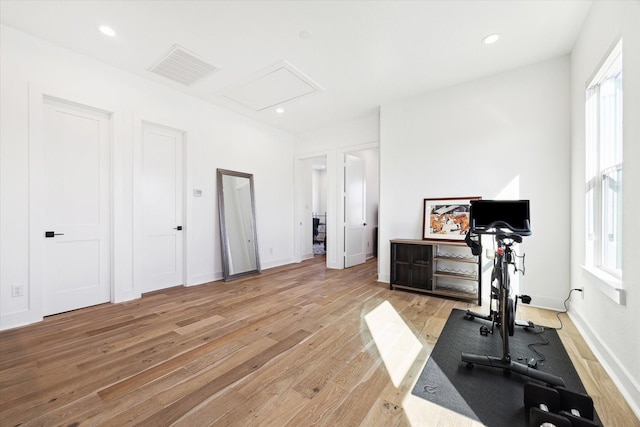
<point x="340" y="181"/>
<point x="344" y="200"/>
<point x="37" y="96"/>
<point x="335" y="200"/>
<point x="303" y="206"/>
<point x="138" y="188"/>
<point x="302" y="215"/>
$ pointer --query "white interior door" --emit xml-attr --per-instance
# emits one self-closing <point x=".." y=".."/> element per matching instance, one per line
<point x="355" y="211"/>
<point x="76" y="207"/>
<point x="161" y="252"/>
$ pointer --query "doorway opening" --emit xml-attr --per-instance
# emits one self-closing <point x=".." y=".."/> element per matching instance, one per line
<point x="360" y="205"/>
<point x="319" y="205"/>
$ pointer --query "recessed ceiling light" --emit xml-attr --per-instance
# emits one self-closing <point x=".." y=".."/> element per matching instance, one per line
<point x="491" y="38"/>
<point x="279" y="110"/>
<point x="107" y="31"/>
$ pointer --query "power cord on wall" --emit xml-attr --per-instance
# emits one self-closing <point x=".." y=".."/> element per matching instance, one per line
<point x="565" y="306"/>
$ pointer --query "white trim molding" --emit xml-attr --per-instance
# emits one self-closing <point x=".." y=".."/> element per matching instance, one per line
<point x="629" y="388"/>
<point x="607" y="284"/>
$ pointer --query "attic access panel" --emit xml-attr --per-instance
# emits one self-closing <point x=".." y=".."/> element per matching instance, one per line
<point x="276" y="85"/>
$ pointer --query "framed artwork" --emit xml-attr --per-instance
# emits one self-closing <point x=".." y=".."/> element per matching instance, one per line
<point x="446" y="219"/>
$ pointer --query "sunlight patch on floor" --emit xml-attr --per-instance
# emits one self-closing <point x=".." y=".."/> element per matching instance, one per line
<point x="397" y="345"/>
<point x="421" y="412"/>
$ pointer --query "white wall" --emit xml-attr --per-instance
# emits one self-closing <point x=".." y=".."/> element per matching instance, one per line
<point x="506" y="136"/>
<point x="609" y="328"/>
<point x="333" y="142"/>
<point x="319" y="179"/>
<point x="216" y="138"/>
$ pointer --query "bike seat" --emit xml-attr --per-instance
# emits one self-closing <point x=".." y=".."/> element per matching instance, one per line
<point x="515" y="237"/>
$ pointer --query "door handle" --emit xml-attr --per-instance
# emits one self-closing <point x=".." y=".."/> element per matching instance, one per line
<point x="178" y="228"/>
<point x="49" y="234"/>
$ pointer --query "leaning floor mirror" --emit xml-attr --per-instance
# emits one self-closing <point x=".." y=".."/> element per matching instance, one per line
<point x="236" y="208"/>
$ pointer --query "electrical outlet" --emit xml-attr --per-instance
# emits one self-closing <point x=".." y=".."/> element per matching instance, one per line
<point x="17" y="291"/>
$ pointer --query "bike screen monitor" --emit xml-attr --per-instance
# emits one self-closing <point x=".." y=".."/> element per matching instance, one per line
<point x="491" y="216"/>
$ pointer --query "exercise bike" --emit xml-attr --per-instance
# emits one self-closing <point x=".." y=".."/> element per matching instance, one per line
<point x="504" y="254"/>
<point x="508" y="221"/>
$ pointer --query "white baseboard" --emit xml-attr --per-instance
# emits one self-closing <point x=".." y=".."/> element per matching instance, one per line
<point x="17" y="319"/>
<point x="126" y="296"/>
<point x="628" y="387"/>
<point x="277" y="263"/>
<point x="199" y="279"/>
<point x="306" y="256"/>
<point x="546" y="303"/>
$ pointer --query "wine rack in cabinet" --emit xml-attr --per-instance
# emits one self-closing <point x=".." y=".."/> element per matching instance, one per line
<point x="434" y="267"/>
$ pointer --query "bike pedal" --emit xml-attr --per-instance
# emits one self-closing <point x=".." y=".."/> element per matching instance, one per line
<point x="526" y="299"/>
<point x="484" y="331"/>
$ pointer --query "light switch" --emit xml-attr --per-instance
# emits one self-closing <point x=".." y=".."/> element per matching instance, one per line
<point x="197" y="192"/>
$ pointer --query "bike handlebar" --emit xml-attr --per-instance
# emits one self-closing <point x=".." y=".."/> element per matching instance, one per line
<point x="500" y="228"/>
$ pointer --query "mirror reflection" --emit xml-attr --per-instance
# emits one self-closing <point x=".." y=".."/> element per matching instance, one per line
<point x="236" y="209"/>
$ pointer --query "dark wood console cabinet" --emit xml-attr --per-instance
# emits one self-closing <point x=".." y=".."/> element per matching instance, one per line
<point x="434" y="267"/>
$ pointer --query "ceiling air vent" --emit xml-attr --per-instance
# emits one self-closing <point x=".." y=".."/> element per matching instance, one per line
<point x="183" y="66"/>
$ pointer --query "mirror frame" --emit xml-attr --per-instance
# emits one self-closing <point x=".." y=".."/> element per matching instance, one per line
<point x="223" y="225"/>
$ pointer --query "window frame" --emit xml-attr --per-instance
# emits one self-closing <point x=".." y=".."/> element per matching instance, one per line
<point x="598" y="169"/>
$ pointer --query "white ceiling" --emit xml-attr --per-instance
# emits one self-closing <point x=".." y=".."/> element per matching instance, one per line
<point x="361" y="54"/>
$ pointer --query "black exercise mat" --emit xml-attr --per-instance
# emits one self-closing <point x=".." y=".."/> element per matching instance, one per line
<point x="482" y="393"/>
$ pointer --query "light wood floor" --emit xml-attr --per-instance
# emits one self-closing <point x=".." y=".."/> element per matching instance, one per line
<point x="290" y="347"/>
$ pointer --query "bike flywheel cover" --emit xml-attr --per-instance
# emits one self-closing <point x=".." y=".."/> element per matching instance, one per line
<point x="511" y="316"/>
